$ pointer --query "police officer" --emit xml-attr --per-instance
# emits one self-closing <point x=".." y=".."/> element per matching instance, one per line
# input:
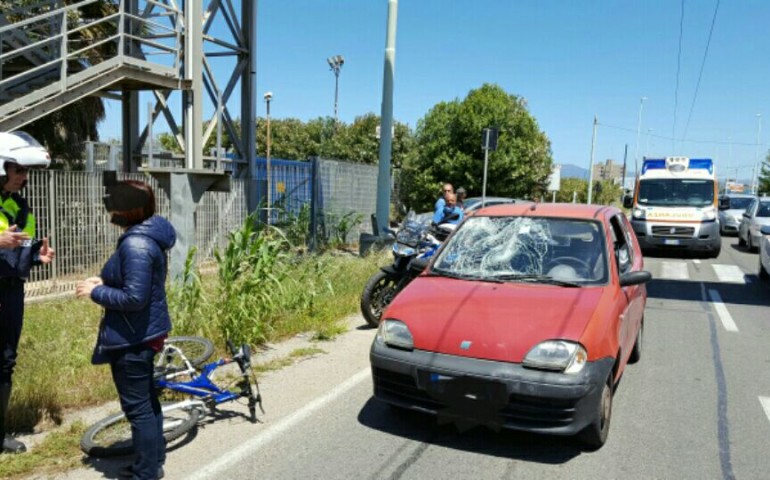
<point x="20" y="251"/>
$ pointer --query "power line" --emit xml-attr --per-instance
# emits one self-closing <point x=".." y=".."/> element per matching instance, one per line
<point x="678" y="69"/>
<point x="663" y="137"/>
<point x="700" y="75"/>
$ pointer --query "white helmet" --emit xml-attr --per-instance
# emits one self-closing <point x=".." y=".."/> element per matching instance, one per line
<point x="21" y="148"/>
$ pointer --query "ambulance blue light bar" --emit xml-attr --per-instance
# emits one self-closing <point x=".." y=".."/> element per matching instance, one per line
<point x="694" y="163"/>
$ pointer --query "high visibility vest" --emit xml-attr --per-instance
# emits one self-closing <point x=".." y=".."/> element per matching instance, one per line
<point x="17" y="262"/>
<point x="10" y="208"/>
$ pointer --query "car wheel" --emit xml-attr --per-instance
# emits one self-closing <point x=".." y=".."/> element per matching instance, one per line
<point x="749" y="243"/>
<point x="636" y="352"/>
<point x="741" y="241"/>
<point x="763" y="272"/>
<point x="594" y="436"/>
<point x="715" y="253"/>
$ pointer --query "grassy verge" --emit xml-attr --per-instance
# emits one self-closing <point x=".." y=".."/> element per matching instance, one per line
<point x="256" y="303"/>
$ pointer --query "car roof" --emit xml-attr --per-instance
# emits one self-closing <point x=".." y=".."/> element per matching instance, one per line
<point x="563" y="210"/>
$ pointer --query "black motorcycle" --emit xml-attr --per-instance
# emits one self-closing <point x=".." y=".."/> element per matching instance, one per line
<point x="416" y="239"/>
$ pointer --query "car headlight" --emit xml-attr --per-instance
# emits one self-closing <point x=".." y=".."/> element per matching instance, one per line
<point x="709" y="214"/>
<point x="395" y="333"/>
<point x="639" y="213"/>
<point x="557" y="355"/>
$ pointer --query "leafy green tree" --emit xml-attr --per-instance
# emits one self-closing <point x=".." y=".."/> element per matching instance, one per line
<point x="448" y="149"/>
<point x="571" y="185"/>
<point x="606" y="192"/>
<point x="764" y="176"/>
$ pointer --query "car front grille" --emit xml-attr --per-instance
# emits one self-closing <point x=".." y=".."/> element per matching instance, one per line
<point x="519" y="412"/>
<point x="673" y="232"/>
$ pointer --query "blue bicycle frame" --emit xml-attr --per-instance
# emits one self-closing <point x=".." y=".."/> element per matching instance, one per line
<point x="201" y="385"/>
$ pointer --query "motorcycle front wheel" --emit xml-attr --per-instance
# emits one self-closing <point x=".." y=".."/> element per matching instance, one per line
<point x="378" y="292"/>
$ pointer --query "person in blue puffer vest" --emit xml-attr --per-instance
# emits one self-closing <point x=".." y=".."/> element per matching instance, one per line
<point x="136" y="321"/>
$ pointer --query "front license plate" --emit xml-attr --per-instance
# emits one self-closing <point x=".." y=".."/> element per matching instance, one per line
<point x="671" y="241"/>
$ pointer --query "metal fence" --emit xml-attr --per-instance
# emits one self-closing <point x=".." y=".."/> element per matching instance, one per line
<point x="69" y="211"/>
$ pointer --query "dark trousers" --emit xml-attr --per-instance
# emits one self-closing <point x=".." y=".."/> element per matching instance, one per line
<point x="132" y="370"/>
<point x="11" y="320"/>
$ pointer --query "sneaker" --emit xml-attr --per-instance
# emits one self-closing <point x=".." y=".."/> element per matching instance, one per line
<point x="128" y="472"/>
<point x="11" y="445"/>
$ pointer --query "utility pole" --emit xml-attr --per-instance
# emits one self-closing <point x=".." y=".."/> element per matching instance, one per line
<point x="754" y="171"/>
<point x="591" y="165"/>
<point x="625" y="157"/>
<point x="638" y="131"/>
<point x="386" y="121"/>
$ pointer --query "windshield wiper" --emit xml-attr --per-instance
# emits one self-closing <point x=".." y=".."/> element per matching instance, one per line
<point x="437" y="272"/>
<point x="535" y="278"/>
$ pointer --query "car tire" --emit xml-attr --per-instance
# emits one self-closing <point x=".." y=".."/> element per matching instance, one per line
<point x="741" y="241"/>
<point x="594" y="436"/>
<point x="636" y="352"/>
<point x="749" y="244"/>
<point x="715" y="253"/>
<point x="763" y="274"/>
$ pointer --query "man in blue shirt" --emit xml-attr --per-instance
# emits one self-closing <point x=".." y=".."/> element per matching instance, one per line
<point x="438" y="208"/>
<point x="453" y="214"/>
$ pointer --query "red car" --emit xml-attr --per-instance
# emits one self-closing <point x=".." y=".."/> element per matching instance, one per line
<point x="525" y="320"/>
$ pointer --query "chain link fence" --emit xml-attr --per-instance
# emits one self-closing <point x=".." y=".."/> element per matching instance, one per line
<point x="69" y="211"/>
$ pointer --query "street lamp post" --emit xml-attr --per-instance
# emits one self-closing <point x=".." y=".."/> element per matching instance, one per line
<point x="268" y="96"/>
<point x="755" y="171"/>
<point x="638" y="131"/>
<point x="647" y="146"/>
<point x="335" y="63"/>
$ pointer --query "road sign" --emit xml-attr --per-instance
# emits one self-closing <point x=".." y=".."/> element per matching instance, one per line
<point x="554" y="179"/>
<point x="489" y="138"/>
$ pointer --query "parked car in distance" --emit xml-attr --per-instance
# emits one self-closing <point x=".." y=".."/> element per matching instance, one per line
<point x="525" y="320"/>
<point x="474" y="203"/>
<point x="731" y="208"/>
<point x="764" y="253"/>
<point x="757" y="214"/>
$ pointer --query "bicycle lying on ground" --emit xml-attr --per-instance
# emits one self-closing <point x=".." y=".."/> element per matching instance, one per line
<point x="180" y="359"/>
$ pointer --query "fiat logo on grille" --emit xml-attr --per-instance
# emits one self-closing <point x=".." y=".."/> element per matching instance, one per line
<point x="673" y="230"/>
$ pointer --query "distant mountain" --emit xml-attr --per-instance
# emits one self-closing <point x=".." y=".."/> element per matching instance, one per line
<point x="573" y="171"/>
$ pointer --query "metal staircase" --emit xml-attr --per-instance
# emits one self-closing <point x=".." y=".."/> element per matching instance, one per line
<point x="53" y="54"/>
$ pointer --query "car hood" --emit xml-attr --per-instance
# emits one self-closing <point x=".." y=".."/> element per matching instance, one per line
<point x="492" y="321"/>
<point x="733" y="213"/>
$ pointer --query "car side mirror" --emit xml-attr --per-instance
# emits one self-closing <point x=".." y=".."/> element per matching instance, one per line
<point x="628" y="201"/>
<point x="724" y="204"/>
<point x="765" y="230"/>
<point x="746" y="215"/>
<point x="418" y="265"/>
<point x="635" y="278"/>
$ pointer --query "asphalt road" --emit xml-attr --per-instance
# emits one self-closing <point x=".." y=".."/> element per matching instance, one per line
<point x="697" y="405"/>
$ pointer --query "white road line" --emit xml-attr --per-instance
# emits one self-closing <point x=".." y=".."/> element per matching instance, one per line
<point x="233" y="457"/>
<point x="729" y="273"/>
<point x="696" y="261"/>
<point x="765" y="401"/>
<point x="674" y="271"/>
<point x="724" y="315"/>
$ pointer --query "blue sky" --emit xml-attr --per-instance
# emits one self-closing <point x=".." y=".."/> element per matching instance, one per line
<point x="571" y="60"/>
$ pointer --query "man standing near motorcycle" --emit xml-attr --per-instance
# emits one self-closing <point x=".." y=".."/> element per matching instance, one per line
<point x="438" y="208"/>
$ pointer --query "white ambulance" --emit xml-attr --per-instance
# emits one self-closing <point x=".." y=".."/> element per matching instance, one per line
<point x="674" y="205"/>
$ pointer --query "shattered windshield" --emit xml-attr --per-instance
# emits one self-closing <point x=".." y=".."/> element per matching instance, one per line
<point x="528" y="249"/>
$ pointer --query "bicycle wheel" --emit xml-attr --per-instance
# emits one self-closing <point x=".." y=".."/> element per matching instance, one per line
<point x="111" y="436"/>
<point x="196" y="349"/>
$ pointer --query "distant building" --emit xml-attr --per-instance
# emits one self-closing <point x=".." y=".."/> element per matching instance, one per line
<point x="609" y="170"/>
